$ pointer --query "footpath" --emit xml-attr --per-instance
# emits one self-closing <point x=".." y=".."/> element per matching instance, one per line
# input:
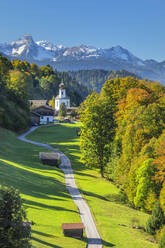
<point x="94" y="240"/>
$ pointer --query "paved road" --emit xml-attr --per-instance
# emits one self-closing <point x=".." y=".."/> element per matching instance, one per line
<point x="94" y="240"/>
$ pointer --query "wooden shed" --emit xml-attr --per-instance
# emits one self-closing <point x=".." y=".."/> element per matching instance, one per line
<point x="74" y="230"/>
<point x="50" y="158"/>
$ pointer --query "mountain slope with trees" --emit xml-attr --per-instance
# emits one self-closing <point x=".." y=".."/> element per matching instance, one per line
<point x="95" y="79"/>
<point x="14" y="108"/>
<point x="123" y="134"/>
<point x="21" y="81"/>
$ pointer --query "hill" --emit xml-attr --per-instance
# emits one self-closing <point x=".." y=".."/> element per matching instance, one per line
<point x="21" y="81"/>
<point x="95" y="79"/>
<point x="14" y="109"/>
<point x="42" y="189"/>
<point x="114" y="219"/>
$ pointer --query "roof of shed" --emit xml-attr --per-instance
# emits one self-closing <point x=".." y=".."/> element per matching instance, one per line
<point x="49" y="155"/>
<point x="73" y="226"/>
<point x="35" y="113"/>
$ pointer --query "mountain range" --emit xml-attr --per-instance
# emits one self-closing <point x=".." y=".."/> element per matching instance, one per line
<point x="82" y="57"/>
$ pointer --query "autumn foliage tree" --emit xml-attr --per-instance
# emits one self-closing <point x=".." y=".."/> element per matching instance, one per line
<point x="96" y="131"/>
<point x="123" y="135"/>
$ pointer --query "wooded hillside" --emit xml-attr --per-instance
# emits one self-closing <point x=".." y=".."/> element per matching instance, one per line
<point x="95" y="79"/>
<point x="21" y="81"/>
<point x="123" y="134"/>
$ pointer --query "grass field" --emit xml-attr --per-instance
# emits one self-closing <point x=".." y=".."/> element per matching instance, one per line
<point x="112" y="218"/>
<point x="42" y="189"/>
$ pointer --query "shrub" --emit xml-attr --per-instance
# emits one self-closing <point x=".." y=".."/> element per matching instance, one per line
<point x="62" y="111"/>
<point x="156" y="220"/>
<point x="162" y="241"/>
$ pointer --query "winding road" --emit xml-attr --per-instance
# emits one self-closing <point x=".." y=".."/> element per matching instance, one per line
<point x="94" y="240"/>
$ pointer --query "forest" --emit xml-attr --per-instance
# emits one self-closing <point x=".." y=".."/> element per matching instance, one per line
<point x="21" y="81"/>
<point x="95" y="79"/>
<point x="123" y="135"/>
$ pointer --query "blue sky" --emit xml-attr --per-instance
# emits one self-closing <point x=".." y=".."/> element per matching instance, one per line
<point x="138" y="26"/>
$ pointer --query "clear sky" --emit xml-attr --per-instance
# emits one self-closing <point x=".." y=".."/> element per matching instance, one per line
<point x="138" y="25"/>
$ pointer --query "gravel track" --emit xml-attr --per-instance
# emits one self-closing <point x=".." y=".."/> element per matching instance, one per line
<point x="94" y="240"/>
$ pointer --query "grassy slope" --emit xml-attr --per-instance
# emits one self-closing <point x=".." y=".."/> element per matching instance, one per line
<point x="43" y="190"/>
<point x="99" y="193"/>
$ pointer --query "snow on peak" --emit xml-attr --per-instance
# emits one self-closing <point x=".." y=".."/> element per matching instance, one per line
<point x="82" y="50"/>
<point x="45" y="43"/>
<point x="60" y="46"/>
<point x="48" y="45"/>
<point x="26" y="48"/>
<point x="25" y="39"/>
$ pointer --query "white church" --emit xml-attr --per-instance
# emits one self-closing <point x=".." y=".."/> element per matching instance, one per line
<point x="62" y="98"/>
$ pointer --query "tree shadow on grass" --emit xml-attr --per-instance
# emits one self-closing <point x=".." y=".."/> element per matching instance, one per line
<point x="43" y="234"/>
<point x="83" y="174"/>
<point x="88" y="193"/>
<point x="32" y="183"/>
<point x="41" y="205"/>
<point x="96" y="241"/>
<point x="46" y="243"/>
<point x="84" y="239"/>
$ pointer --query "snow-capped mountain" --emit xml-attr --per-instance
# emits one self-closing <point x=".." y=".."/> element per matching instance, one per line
<point x="25" y="48"/>
<point x="48" y="45"/>
<point x="82" y="57"/>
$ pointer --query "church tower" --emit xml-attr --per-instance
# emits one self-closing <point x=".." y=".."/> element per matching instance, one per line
<point x="62" y="91"/>
<point x="62" y="97"/>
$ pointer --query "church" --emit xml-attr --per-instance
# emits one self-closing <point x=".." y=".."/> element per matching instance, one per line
<point x="62" y="98"/>
<point x="42" y="113"/>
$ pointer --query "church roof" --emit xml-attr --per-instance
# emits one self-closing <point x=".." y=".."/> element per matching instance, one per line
<point x="43" y="106"/>
<point x="38" y="102"/>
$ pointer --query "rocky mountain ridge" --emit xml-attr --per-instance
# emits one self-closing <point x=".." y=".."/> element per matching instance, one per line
<point x="82" y="57"/>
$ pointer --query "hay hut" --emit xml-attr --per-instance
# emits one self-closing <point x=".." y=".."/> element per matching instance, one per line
<point x="50" y="158"/>
<point x="74" y="230"/>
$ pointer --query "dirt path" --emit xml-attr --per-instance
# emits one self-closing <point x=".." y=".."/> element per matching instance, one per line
<point x="94" y="240"/>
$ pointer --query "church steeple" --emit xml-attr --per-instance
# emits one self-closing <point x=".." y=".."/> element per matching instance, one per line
<point x="62" y="91"/>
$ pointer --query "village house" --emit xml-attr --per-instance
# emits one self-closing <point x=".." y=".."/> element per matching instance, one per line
<point x="43" y="114"/>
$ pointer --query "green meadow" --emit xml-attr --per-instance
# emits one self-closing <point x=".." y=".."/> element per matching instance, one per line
<point x="42" y="189"/>
<point x="113" y="219"/>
